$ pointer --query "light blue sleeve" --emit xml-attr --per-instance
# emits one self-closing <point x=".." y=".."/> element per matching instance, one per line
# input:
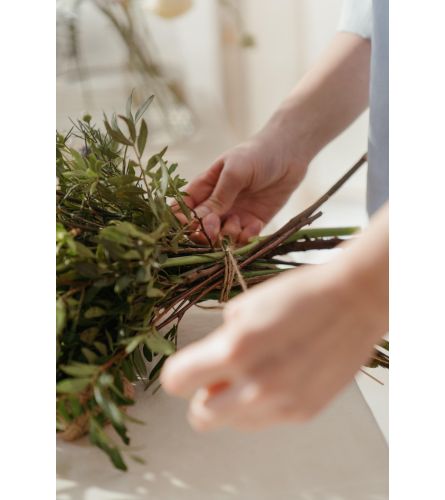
<point x="356" y="17"/>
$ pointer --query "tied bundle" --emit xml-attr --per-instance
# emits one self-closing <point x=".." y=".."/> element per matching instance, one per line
<point x="127" y="270"/>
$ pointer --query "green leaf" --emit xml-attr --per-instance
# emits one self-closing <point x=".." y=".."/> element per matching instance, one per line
<point x="117" y="135"/>
<point x="111" y="411"/>
<point x="113" y="233"/>
<point x="133" y="419"/>
<point x="61" y="407"/>
<point x="105" y="379"/>
<point x="76" y="407"/>
<point x="154" y="292"/>
<point x="157" y="368"/>
<point x="131" y="127"/>
<point x="90" y="356"/>
<point x="131" y="255"/>
<point x="158" y="344"/>
<point x="99" y="438"/>
<point x="154" y="160"/>
<point x="72" y="385"/>
<point x="130" y="168"/>
<point x="80" y="369"/>
<point x="93" y="188"/>
<point x="123" y="180"/>
<point x="138" y="459"/>
<point x="184" y="208"/>
<point x="143" y="108"/>
<point x="78" y="159"/>
<point x="101" y="347"/>
<point x="117" y="459"/>
<point x="139" y="363"/>
<point x="88" y="336"/>
<point x="83" y="251"/>
<point x="135" y="341"/>
<point x="129" y="106"/>
<point x="87" y="269"/>
<point x="60" y="316"/>
<point x="94" y="312"/>
<point x="142" y="138"/>
<point x="122" y="283"/>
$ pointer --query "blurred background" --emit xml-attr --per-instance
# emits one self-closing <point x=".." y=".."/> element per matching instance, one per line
<point x="218" y="68"/>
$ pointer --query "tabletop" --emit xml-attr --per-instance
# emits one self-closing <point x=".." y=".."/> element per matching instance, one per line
<point x="340" y="455"/>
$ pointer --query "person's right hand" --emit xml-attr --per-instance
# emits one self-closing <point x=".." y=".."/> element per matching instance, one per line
<point x="246" y="186"/>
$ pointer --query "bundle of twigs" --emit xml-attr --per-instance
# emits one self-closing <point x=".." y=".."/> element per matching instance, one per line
<point x="127" y="270"/>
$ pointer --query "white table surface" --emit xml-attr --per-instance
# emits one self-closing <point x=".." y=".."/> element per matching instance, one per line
<point x="341" y="455"/>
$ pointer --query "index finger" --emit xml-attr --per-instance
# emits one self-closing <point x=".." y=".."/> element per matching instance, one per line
<point x="202" y="187"/>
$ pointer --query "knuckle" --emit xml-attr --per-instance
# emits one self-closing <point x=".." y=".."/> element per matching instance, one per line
<point x="235" y="174"/>
<point x="215" y="204"/>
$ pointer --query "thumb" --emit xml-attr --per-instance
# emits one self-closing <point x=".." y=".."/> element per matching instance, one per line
<point x="230" y="183"/>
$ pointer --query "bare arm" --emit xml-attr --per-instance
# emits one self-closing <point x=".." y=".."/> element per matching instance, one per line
<point x="329" y="97"/>
<point x="247" y="185"/>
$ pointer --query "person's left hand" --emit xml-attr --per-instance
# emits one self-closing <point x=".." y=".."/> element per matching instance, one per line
<point x="286" y="348"/>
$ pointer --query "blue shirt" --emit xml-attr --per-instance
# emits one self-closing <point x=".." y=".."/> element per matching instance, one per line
<point x="370" y="20"/>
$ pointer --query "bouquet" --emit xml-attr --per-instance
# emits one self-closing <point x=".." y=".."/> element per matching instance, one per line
<point x="127" y="270"/>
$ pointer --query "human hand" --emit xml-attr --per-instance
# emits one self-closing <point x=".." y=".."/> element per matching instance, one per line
<point x="246" y="186"/>
<point x="288" y="346"/>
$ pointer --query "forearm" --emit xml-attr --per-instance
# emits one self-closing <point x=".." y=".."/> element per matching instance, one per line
<point x="327" y="99"/>
<point x="364" y="268"/>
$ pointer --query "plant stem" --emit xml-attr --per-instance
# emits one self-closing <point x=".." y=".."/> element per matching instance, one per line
<point x="319" y="232"/>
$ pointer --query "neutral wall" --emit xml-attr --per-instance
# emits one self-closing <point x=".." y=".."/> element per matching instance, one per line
<point x="291" y="35"/>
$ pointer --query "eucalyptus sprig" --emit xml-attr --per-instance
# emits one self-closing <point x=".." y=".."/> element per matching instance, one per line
<point x="127" y="270"/>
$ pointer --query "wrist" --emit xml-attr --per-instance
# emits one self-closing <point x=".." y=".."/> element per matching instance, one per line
<point x="288" y="129"/>
<point x="363" y="284"/>
<point x="299" y="121"/>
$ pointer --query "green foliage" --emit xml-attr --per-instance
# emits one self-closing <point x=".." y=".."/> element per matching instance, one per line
<point x="114" y="227"/>
<point x="126" y="269"/>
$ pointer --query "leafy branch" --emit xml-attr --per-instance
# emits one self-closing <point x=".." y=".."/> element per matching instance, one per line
<point x="127" y="271"/>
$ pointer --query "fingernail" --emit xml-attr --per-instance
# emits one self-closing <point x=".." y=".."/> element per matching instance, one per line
<point x="202" y="211"/>
<point x="212" y="224"/>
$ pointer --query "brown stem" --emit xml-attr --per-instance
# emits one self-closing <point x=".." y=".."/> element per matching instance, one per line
<point x="303" y="246"/>
<point x="201" y="224"/>
<point x="276" y="239"/>
<point x="267" y="245"/>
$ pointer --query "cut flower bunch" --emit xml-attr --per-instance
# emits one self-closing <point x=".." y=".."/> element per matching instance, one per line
<point x="127" y="270"/>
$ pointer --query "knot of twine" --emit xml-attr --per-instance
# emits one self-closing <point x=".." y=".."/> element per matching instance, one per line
<point x="231" y="269"/>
